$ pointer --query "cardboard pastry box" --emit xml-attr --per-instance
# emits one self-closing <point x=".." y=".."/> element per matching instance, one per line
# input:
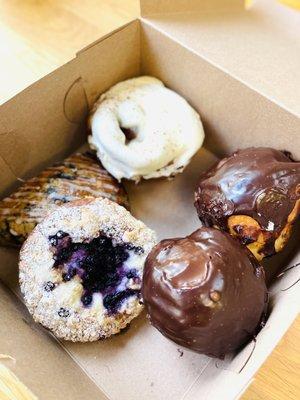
<point x="241" y="70"/>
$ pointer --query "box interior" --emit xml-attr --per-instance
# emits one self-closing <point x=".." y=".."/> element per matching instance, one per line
<point x="48" y="121"/>
<point x="259" y="45"/>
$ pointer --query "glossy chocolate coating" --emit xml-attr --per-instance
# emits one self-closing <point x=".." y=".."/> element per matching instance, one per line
<point x="262" y="183"/>
<point x="205" y="292"/>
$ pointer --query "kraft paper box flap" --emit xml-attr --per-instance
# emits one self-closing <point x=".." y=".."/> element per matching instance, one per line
<point x="120" y="50"/>
<point x="259" y="46"/>
<point x="160" y="7"/>
<point x="42" y="124"/>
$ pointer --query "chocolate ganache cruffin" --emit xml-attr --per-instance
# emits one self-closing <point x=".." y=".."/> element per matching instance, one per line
<point x="255" y="195"/>
<point x="205" y="291"/>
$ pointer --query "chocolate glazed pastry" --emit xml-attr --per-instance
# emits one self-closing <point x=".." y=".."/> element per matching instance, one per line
<point x="78" y="176"/>
<point x="205" y="292"/>
<point x="255" y="195"/>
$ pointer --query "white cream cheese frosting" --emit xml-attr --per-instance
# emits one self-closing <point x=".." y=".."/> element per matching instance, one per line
<point x="165" y="131"/>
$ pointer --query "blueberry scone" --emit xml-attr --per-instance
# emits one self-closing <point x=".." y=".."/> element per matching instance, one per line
<point x="78" y="176"/>
<point x="81" y="269"/>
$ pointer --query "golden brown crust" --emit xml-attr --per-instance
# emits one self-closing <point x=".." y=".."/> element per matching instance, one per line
<point x="285" y="234"/>
<point x="250" y="233"/>
<point x="79" y="176"/>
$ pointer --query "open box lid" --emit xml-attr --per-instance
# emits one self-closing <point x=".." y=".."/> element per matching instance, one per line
<point x="259" y="46"/>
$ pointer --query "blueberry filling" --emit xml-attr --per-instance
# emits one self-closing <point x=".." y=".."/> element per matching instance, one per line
<point x="56" y="240"/>
<point x="132" y="274"/>
<point x="137" y="249"/>
<point x="69" y="275"/>
<point x="113" y="301"/>
<point x="87" y="299"/>
<point x="100" y="265"/>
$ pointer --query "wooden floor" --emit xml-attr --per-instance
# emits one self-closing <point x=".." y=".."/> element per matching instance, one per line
<point x="36" y="36"/>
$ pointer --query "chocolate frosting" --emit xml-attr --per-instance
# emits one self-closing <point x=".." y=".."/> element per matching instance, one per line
<point x="205" y="292"/>
<point x="262" y="183"/>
